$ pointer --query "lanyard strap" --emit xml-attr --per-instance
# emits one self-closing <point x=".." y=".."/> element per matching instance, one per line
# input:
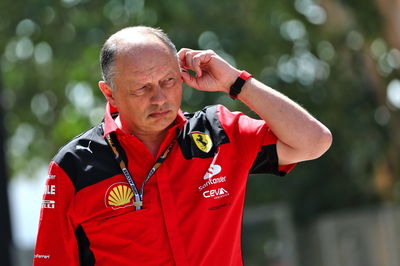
<point x="138" y="202"/>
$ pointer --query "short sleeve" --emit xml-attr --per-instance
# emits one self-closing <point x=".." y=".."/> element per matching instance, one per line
<point x="254" y="140"/>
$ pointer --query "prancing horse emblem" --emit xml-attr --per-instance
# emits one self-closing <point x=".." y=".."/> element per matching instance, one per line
<point x="202" y="140"/>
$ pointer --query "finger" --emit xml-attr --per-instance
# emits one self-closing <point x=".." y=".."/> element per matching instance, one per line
<point x="190" y="60"/>
<point x="200" y="60"/>
<point x="189" y="79"/>
<point x="196" y="61"/>
<point x="186" y="56"/>
<point x="181" y="55"/>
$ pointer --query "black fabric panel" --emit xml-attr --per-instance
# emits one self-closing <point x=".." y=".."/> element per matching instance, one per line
<point x="86" y="167"/>
<point x="86" y="256"/>
<point x="266" y="162"/>
<point x="205" y="121"/>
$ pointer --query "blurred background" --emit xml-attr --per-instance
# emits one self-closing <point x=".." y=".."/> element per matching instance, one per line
<point x="339" y="59"/>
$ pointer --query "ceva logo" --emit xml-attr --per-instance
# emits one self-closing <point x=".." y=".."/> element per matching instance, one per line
<point x="215" y="193"/>
<point x="212" y="171"/>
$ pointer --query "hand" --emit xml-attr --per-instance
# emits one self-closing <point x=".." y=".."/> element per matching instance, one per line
<point x="212" y="72"/>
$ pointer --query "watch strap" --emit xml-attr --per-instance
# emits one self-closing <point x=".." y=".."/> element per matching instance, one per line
<point x="236" y="87"/>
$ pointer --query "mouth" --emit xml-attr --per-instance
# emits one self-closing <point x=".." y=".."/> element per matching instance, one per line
<point x="159" y="114"/>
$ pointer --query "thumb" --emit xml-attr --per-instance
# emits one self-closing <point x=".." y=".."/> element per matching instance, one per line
<point x="189" y="79"/>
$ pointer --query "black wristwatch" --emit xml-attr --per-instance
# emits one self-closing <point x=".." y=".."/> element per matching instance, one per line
<point x="236" y="87"/>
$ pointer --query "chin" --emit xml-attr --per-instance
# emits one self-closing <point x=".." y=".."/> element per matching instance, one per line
<point x="164" y="124"/>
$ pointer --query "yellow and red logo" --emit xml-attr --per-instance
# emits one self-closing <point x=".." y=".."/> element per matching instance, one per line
<point x="119" y="195"/>
<point x="202" y="141"/>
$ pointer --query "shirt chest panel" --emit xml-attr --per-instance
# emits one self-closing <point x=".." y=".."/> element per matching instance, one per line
<point x="208" y="198"/>
<point x="204" y="179"/>
<point x="205" y="192"/>
<point x="193" y="183"/>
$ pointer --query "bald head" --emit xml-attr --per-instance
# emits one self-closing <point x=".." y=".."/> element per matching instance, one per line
<point x="129" y="41"/>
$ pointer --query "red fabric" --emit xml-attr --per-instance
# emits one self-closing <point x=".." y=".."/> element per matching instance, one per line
<point x="187" y="219"/>
<point x="56" y="240"/>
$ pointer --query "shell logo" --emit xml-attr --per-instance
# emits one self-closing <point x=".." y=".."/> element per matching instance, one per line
<point x="118" y="195"/>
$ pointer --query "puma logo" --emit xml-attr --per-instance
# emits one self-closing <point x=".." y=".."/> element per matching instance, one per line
<point x="80" y="147"/>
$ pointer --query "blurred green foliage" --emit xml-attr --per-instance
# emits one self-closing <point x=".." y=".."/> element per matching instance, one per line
<point x="325" y="55"/>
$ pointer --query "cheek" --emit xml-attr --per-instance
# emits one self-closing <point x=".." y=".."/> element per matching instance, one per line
<point x="177" y="95"/>
<point x="132" y="106"/>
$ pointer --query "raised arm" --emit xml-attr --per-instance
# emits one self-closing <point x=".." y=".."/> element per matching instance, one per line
<point x="300" y="136"/>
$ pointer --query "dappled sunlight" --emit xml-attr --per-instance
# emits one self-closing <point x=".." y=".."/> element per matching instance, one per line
<point x="339" y="59"/>
<point x="393" y="93"/>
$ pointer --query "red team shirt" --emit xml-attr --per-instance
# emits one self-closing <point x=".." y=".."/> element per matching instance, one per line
<point x="192" y="206"/>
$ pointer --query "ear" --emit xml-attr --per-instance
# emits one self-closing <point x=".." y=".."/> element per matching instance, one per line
<point x="107" y="92"/>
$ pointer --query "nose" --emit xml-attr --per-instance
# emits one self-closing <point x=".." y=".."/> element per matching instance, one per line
<point x="158" y="96"/>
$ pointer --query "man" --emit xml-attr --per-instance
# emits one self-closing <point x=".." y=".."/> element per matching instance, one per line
<point x="153" y="186"/>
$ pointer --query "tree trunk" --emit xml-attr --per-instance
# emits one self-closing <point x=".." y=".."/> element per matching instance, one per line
<point x="390" y="10"/>
<point x="5" y="225"/>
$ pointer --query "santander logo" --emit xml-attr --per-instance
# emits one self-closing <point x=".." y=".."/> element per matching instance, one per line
<point x="212" y="171"/>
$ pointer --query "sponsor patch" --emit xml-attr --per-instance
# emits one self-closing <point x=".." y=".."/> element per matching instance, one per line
<point x="216" y="193"/>
<point x="219" y="206"/>
<point x="212" y="171"/>
<point x="213" y="181"/>
<point x="50" y="190"/>
<point x="202" y="141"/>
<point x="48" y="204"/>
<point x="118" y="195"/>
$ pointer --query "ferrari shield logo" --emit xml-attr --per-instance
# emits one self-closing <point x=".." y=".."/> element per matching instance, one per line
<point x="203" y="141"/>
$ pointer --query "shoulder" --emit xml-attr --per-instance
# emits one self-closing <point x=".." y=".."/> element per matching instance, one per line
<point x="212" y="114"/>
<point x="202" y="133"/>
<point x="208" y="113"/>
<point x="87" y="159"/>
<point x="80" y="143"/>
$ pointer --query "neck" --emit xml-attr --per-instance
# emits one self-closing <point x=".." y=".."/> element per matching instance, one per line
<point x="151" y="140"/>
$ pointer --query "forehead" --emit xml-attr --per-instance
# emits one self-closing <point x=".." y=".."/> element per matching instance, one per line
<point x="145" y="57"/>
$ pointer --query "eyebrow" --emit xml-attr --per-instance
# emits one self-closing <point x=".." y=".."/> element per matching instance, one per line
<point x="168" y="74"/>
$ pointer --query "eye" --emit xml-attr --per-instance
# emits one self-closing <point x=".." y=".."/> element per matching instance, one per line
<point x="139" y="91"/>
<point x="169" y="82"/>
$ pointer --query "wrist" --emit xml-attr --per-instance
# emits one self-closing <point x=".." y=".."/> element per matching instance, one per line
<point x="231" y="77"/>
<point x="237" y="86"/>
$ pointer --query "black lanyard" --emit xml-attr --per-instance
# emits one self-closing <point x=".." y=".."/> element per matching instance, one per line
<point x="138" y="202"/>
